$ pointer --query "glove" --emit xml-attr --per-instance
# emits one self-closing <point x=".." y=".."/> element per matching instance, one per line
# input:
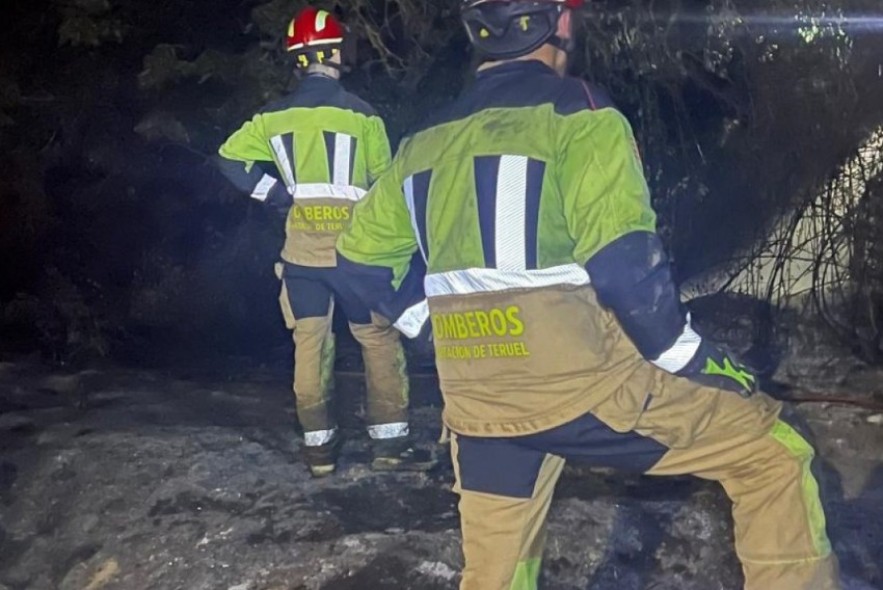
<point x="714" y="368"/>
<point x="422" y="345"/>
<point x="279" y="197"/>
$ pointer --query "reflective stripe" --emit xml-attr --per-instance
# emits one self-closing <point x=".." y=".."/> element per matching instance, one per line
<point x="682" y="351"/>
<point x="285" y="162"/>
<point x="797" y="446"/>
<point x="342" y="146"/>
<point x="263" y="188"/>
<point x="411" y="322"/>
<point x="510" y="214"/>
<point x="321" y="20"/>
<point x="317" y="44"/>
<point x="408" y="188"/>
<point x="317" y="438"/>
<point x="488" y="280"/>
<point x="328" y="191"/>
<point x="527" y="574"/>
<point x="387" y="431"/>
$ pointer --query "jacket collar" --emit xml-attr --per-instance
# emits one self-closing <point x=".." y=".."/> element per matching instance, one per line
<point x="531" y="66"/>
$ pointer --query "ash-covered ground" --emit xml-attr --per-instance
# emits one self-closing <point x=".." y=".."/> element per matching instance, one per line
<point x="139" y="480"/>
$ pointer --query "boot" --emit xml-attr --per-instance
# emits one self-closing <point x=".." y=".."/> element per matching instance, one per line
<point x="398" y="454"/>
<point x="322" y="460"/>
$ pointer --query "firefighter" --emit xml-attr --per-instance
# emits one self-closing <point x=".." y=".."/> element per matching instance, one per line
<point x="558" y="329"/>
<point x="314" y="153"/>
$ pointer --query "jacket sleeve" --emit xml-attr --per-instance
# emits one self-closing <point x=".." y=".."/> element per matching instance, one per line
<point x="610" y="217"/>
<point x="243" y="160"/>
<point x="379" y="252"/>
<point x="379" y="151"/>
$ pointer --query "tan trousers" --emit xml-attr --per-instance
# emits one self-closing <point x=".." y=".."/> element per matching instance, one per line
<point x="314" y="355"/>
<point x="762" y="463"/>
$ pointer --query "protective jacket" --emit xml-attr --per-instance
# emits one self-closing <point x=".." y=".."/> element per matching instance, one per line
<point x="322" y="147"/>
<point x="548" y="287"/>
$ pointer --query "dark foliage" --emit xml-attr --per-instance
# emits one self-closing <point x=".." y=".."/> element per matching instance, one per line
<point x="117" y="236"/>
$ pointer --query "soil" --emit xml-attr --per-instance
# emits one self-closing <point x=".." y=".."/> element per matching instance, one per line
<point x="143" y="480"/>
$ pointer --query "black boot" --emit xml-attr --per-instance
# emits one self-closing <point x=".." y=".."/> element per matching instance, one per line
<point x="322" y="460"/>
<point x="399" y="454"/>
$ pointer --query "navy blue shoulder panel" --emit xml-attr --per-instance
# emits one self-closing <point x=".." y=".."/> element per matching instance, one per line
<point x="517" y="85"/>
<point x="578" y="95"/>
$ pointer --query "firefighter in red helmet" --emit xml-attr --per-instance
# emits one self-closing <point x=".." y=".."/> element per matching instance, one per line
<point x="315" y="153"/>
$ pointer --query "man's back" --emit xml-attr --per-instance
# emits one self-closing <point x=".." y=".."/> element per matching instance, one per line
<point x="326" y="146"/>
<point x="509" y="194"/>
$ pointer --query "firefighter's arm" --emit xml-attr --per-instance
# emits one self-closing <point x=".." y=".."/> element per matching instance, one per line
<point x="379" y="252"/>
<point x="379" y="154"/>
<point x="614" y="226"/>
<point x="245" y="159"/>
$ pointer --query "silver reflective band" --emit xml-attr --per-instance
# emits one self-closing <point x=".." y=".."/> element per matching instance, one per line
<point x="283" y="160"/>
<point x="411" y="322"/>
<point x="328" y="191"/>
<point x="342" y="145"/>
<point x="317" y="438"/>
<point x="387" y="431"/>
<point x="489" y="280"/>
<point x="412" y="210"/>
<point x="682" y="351"/>
<point x="263" y="188"/>
<point x="510" y="214"/>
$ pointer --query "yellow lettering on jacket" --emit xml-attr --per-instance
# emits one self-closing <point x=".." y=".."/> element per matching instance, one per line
<point x="467" y="325"/>
<point x="322" y="212"/>
<point x="319" y="218"/>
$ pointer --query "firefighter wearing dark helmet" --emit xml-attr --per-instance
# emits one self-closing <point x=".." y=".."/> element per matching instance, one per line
<point x="558" y="330"/>
<point x="314" y="153"/>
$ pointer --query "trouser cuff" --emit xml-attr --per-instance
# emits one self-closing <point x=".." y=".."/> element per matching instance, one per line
<point x="388" y="431"/>
<point x="317" y="438"/>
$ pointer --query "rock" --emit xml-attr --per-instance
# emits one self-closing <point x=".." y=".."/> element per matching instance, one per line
<point x="437" y="569"/>
<point x="16" y="424"/>
<point x="104" y="574"/>
<point x="8" y="475"/>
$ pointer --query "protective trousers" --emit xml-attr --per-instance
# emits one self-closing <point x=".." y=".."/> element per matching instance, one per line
<point x="307" y="299"/>
<point x="506" y="486"/>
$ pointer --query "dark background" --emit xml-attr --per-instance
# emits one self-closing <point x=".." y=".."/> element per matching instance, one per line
<point x="120" y="241"/>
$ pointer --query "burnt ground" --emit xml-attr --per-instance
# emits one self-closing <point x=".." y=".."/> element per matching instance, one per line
<point x="125" y="479"/>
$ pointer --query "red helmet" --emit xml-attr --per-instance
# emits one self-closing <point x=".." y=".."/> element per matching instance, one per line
<point x="314" y="35"/>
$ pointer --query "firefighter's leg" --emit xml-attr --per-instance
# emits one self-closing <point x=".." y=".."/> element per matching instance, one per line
<point x="387" y="384"/>
<point x="384" y="357"/>
<point x="386" y="378"/>
<point x="309" y="313"/>
<point x="505" y="491"/>
<point x="764" y="466"/>
<point x="387" y="401"/>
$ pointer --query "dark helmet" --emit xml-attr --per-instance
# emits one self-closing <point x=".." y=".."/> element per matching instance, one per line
<point x="506" y="29"/>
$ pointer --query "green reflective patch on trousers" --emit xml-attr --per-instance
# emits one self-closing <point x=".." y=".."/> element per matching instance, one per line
<point x="326" y="366"/>
<point x="402" y="368"/>
<point x="797" y="446"/>
<point x="527" y="575"/>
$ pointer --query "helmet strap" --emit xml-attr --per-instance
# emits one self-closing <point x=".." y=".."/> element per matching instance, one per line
<point x="565" y="45"/>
